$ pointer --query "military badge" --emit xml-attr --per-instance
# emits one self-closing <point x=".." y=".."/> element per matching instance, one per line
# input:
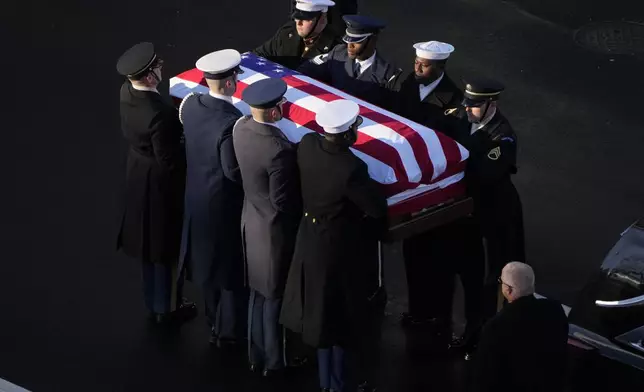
<point x="450" y="111"/>
<point x="494" y="153"/>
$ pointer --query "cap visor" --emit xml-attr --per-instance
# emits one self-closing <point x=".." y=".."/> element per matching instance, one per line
<point x="467" y="102"/>
<point x="304" y="15"/>
<point x="349" y="40"/>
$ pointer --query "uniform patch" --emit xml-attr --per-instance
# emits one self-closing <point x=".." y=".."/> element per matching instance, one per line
<point x="450" y="111"/>
<point x="494" y="153"/>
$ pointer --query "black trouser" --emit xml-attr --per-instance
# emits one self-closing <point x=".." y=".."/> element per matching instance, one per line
<point x="432" y="260"/>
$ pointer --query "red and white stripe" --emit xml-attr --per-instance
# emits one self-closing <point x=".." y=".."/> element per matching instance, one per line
<point x="410" y="160"/>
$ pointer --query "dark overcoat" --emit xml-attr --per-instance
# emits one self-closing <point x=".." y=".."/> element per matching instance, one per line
<point x="334" y="276"/>
<point x="286" y="47"/>
<point x="336" y="69"/>
<point x="153" y="210"/>
<point x="497" y="206"/>
<point x="440" y="110"/>
<point x="211" y="245"/>
<point x="523" y="348"/>
<point x="272" y="204"/>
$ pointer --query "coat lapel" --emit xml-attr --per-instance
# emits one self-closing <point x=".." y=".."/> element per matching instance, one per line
<point x="348" y="66"/>
<point x="442" y="94"/>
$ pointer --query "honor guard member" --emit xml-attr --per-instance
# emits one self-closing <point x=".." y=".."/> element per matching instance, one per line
<point x="214" y="197"/>
<point x="356" y="68"/>
<point x="342" y="7"/>
<point x="272" y="211"/>
<point x="306" y="36"/>
<point x="333" y="280"/>
<point x="150" y="228"/>
<point x="492" y="144"/>
<point x="428" y="96"/>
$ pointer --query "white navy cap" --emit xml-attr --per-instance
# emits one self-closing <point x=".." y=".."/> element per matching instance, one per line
<point x="433" y="50"/>
<point x="337" y="116"/>
<point x="314" y="5"/>
<point x="220" y="64"/>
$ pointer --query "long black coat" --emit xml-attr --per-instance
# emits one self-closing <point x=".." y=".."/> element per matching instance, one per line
<point x="336" y="69"/>
<point x="440" y="110"/>
<point x="335" y="267"/>
<point x="151" y="223"/>
<point x="272" y="204"/>
<point x="497" y="206"/>
<point x="523" y="348"/>
<point x="211" y="245"/>
<point x="288" y="48"/>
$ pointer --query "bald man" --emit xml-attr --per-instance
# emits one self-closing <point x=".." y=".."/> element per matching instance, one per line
<point x="523" y="348"/>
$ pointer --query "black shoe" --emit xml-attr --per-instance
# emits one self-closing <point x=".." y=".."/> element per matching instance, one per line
<point x="298" y="362"/>
<point x="273" y="373"/>
<point x="185" y="312"/>
<point x="458" y="342"/>
<point x="213" y="336"/>
<point x="366" y="387"/>
<point x="226" y="343"/>
<point x="253" y="367"/>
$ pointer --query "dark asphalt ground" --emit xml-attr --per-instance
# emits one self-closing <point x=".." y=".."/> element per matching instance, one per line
<point x="70" y="307"/>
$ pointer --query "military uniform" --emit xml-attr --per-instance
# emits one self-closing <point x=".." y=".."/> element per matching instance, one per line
<point x="150" y="229"/>
<point x="335" y="14"/>
<point x="440" y="110"/>
<point x="373" y="83"/>
<point x="213" y="201"/>
<point x="436" y="103"/>
<point x="433" y="258"/>
<point x="497" y="206"/>
<point x="331" y="291"/>
<point x="289" y="49"/>
<point x="270" y="218"/>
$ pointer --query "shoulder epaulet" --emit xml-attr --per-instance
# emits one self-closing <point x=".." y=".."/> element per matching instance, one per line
<point x="182" y="103"/>
<point x="237" y="122"/>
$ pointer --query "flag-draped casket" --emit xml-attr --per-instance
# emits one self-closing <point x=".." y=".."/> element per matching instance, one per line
<point x="417" y="166"/>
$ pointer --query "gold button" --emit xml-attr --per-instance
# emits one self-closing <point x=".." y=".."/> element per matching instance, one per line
<point x="306" y="49"/>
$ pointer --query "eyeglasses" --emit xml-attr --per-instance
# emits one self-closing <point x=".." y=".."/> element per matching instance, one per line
<point x="502" y="282"/>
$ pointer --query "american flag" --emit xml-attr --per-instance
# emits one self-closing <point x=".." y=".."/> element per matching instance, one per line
<point x="417" y="166"/>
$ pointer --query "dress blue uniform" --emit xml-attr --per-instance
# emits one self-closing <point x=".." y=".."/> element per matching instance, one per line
<point x="151" y="222"/>
<point x="272" y="210"/>
<point x="370" y="79"/>
<point x="211" y="247"/>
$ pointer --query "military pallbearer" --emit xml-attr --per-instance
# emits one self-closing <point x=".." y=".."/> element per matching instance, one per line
<point x="356" y="68"/>
<point x="272" y="210"/>
<point x="150" y="228"/>
<point x="306" y="36"/>
<point x="211" y="245"/>
<point x="331" y="294"/>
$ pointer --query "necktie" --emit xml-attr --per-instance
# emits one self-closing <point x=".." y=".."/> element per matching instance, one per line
<point x="356" y="69"/>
